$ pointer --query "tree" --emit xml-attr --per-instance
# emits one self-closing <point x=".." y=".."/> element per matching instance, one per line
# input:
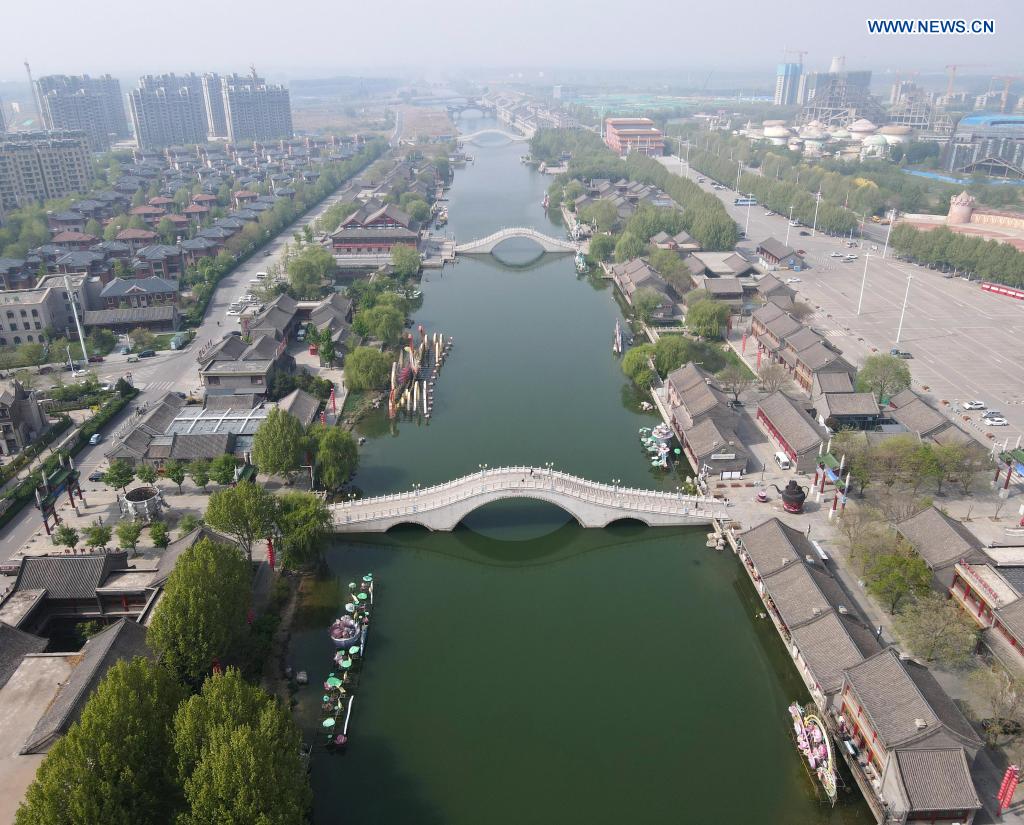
<point x="601" y="247"/>
<point x="119" y="475"/>
<point x="773" y="377"/>
<point x="159" y="534"/>
<point x="671" y="352"/>
<point x="308" y="270"/>
<point x="203" y="609"/>
<point x="735" y="379"/>
<point x="222" y="469"/>
<point x="303" y="520"/>
<point x="278" y="444"/>
<point x="188" y="523"/>
<point x="175" y="471"/>
<point x="66" y="536"/>
<point x="32" y="354"/>
<point x="707" y="317"/>
<point x="936" y="629"/>
<point x="336" y="455"/>
<point x="115" y="765"/>
<point x="893" y="577"/>
<point x="199" y="469"/>
<point x="405" y="261"/>
<point x="884" y="375"/>
<point x="367" y="368"/>
<point x="1004" y="693"/>
<point x="385" y="323"/>
<point x="97" y="536"/>
<point x="636" y="364"/>
<point x="226" y="736"/>
<point x="244" y="512"/>
<point x="602" y="215"/>
<point x="146" y="473"/>
<point x="645" y="302"/>
<point x="142" y="338"/>
<point x="630" y="246"/>
<point x="128" y="535"/>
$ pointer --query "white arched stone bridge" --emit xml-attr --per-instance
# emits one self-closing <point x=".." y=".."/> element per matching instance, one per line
<point x="472" y="136"/>
<point x="484" y="246"/>
<point x="592" y="504"/>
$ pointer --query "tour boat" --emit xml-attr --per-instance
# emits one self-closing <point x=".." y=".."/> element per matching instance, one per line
<point x="617" y="339"/>
<point x="545" y="202"/>
<point x="581" y="263"/>
<point x="814" y="744"/>
<point x="348" y="634"/>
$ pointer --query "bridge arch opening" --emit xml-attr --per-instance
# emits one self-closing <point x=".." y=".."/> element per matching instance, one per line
<point x="409" y="527"/>
<point x="627" y="522"/>
<point x="517" y="518"/>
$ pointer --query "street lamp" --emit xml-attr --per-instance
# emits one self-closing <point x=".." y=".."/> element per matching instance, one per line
<point x="789" y="225"/>
<point x="746" y="227"/>
<point x="416" y="488"/>
<point x="817" y="201"/>
<point x="892" y="220"/>
<point x="739" y="168"/>
<point x="903" y="312"/>
<point x="863" y="281"/>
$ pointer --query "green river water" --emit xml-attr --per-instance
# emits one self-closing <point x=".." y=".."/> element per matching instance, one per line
<point x="521" y="669"/>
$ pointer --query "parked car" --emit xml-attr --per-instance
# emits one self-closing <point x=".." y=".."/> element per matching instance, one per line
<point x="993" y="414"/>
<point x="267" y="253"/>
<point x="96" y="475"/>
<point x="233" y="332"/>
<point x="124" y="350"/>
<point x="973" y="405"/>
<point x="45" y="370"/>
<point x="899" y="353"/>
<point x="234" y="312"/>
<point x="95" y="438"/>
<point x="95" y="359"/>
<point x="805" y="232"/>
<point x="147" y="353"/>
<point x="996" y="422"/>
<point x="792" y="280"/>
<point x="132" y="359"/>
<point x="835" y="254"/>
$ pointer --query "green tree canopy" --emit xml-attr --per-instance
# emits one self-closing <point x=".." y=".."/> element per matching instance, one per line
<point x="175" y="471"/>
<point x="128" y="534"/>
<point x="383" y="322"/>
<point x="936" y="629"/>
<point x="159" y="534"/>
<point x="645" y="302"/>
<point x="115" y="765"/>
<point x="884" y="375"/>
<point x="119" y="475"/>
<point x="199" y="469"/>
<point x="405" y="261"/>
<point x="66" y="536"/>
<point x="278" y="444"/>
<point x="336" y="455"/>
<point x="602" y="247"/>
<point x="97" y="536"/>
<point x="244" y="512"/>
<point x="635" y="364"/>
<point x="367" y="368"/>
<point x="893" y="577"/>
<point x="304" y="521"/>
<point x="222" y="469"/>
<point x="630" y="246"/>
<point x="308" y="270"/>
<point x="707" y="318"/>
<point x="203" y="609"/>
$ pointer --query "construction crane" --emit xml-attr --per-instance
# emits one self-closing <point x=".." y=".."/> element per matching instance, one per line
<point x="1008" y="80"/>
<point x="952" y="69"/>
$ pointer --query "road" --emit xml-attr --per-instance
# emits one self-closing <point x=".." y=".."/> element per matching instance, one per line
<point x="965" y="343"/>
<point x="167" y="371"/>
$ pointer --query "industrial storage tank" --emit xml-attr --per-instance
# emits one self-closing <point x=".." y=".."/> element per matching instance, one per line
<point x="777" y="134"/>
<point x="896" y="134"/>
<point x="860" y="129"/>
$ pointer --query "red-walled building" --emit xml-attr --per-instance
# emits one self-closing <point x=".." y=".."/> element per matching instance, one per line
<point x="624" y="135"/>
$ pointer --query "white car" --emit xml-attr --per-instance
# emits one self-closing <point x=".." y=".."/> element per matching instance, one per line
<point x="836" y="255"/>
<point x="849" y="258"/>
<point x="792" y="280"/>
<point x="233" y="312"/>
<point x="794" y="223"/>
<point x="973" y="405"/>
<point x="769" y="214"/>
<point x="996" y="422"/>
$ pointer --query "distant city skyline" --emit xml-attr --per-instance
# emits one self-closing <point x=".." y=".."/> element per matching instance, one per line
<point x="738" y="35"/>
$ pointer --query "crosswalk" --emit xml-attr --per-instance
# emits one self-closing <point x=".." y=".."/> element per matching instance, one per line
<point x="156" y="386"/>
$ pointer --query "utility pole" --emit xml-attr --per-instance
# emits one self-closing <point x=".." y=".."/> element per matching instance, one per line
<point x="817" y="200"/>
<point x="78" y="324"/>
<point x="903" y="312"/>
<point x="863" y="282"/>
<point x="892" y="220"/>
<point x="739" y="168"/>
<point x="789" y="225"/>
<point x="746" y="228"/>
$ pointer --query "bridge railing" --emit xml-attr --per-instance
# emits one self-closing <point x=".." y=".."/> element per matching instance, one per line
<point x="501" y="479"/>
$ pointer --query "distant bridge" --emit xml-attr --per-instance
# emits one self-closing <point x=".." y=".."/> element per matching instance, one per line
<point x="592" y="504"/>
<point x="484" y="246"/>
<point x="472" y="136"/>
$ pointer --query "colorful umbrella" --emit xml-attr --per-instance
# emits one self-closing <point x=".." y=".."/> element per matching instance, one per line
<point x="333" y="682"/>
<point x="346" y="663"/>
<point x="350" y="608"/>
<point x="354" y="649"/>
<point x="368" y="577"/>
<point x="362" y="597"/>
<point x="329" y="723"/>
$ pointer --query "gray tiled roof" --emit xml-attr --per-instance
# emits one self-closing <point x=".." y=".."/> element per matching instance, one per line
<point x="775" y="248"/>
<point x="936" y="779"/>
<point x="895" y="694"/>
<point x="937" y="538"/>
<point x="791" y="421"/>
<point x="300" y="404"/>
<point x="847" y="403"/>
<point x="122" y="640"/>
<point x="68" y="577"/>
<point x="772" y="545"/>
<point x="125" y="286"/>
<point x="833" y="382"/>
<point x="795" y="593"/>
<point x="828" y="646"/>
<point x="709" y="436"/>
<point x="14" y="646"/>
<point x="130" y="315"/>
<point x="914" y="414"/>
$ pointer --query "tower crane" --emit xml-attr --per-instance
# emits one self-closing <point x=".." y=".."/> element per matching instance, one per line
<point x="1008" y="80"/>
<point x="952" y="68"/>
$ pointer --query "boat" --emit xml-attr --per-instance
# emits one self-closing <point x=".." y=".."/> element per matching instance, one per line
<point x="581" y="263"/>
<point x="340" y="685"/>
<point x="814" y="744"/>
<point x="545" y="202"/>
<point x="617" y="339"/>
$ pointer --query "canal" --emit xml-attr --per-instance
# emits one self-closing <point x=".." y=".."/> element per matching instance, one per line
<point x="521" y="669"/>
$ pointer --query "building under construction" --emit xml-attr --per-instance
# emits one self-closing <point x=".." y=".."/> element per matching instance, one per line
<point x="837" y="98"/>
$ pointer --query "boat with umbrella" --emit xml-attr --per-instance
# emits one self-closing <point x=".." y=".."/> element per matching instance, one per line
<point x="348" y="634"/>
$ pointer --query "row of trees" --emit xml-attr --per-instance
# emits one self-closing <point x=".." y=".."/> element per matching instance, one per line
<point x="281" y="447"/>
<point x="147" y="749"/>
<point x="670" y="353"/>
<point x="221" y="470"/>
<point x="990" y="260"/>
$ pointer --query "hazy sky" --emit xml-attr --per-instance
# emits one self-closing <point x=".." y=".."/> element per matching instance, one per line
<point x="317" y="38"/>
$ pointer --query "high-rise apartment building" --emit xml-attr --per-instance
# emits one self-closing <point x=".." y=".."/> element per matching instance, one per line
<point x="254" y="109"/>
<point x="3" y="120"/>
<point x="78" y="102"/>
<point x="168" y="110"/>
<point x="787" y="83"/>
<point x="213" y="100"/>
<point x="37" y="166"/>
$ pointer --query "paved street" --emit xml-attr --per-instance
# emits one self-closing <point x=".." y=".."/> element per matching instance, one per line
<point x="965" y="342"/>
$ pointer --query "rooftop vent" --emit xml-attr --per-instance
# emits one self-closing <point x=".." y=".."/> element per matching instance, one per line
<point x="842" y="609"/>
<point x="920" y="724"/>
